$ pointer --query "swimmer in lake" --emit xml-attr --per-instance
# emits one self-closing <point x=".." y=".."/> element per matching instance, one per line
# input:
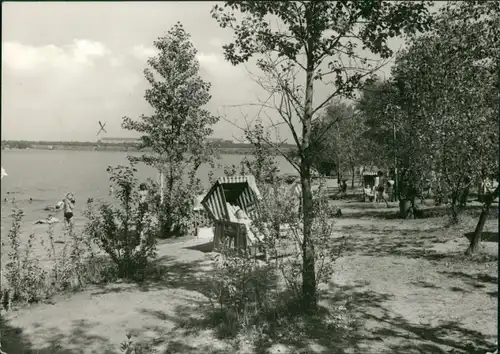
<point x="57" y="207"/>
<point x="69" y="205"/>
<point x="50" y="220"/>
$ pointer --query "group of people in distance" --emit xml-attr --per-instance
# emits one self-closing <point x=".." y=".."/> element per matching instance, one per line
<point x="381" y="188"/>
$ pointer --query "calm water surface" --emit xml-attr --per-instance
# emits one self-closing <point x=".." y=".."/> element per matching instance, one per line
<point x="46" y="175"/>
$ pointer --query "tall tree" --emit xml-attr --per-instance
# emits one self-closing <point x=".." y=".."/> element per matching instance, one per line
<point x="379" y="109"/>
<point x="466" y="102"/>
<point x="392" y="127"/>
<point x="456" y="107"/>
<point x="447" y="121"/>
<point x="341" y="147"/>
<point x="177" y="129"/>
<point x="312" y="41"/>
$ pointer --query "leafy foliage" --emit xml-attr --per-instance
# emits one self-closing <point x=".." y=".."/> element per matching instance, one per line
<point x="307" y="34"/>
<point x="463" y="107"/>
<point x="70" y="267"/>
<point x="339" y="138"/>
<point x="251" y="293"/>
<point x="262" y="165"/>
<point x="446" y="122"/>
<point x="176" y="131"/>
<point x="26" y="279"/>
<point x="126" y="233"/>
<point x="381" y="113"/>
<point x="392" y="130"/>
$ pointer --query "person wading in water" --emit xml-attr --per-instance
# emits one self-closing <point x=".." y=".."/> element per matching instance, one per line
<point x="69" y="205"/>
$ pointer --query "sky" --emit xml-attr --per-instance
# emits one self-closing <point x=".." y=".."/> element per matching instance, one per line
<point x="66" y="66"/>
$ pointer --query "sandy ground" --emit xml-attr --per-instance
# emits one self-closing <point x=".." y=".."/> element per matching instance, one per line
<point x="406" y="287"/>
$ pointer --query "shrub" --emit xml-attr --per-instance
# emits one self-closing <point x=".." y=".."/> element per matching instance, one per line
<point x="126" y="233"/>
<point x="130" y="347"/>
<point x="248" y="293"/>
<point x="26" y="280"/>
<point x="175" y="215"/>
<point x="243" y="289"/>
<point x="281" y="225"/>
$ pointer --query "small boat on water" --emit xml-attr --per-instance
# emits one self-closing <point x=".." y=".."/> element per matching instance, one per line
<point x="3" y="173"/>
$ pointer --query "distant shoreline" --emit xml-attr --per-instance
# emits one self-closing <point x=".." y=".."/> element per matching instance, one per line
<point x="235" y="149"/>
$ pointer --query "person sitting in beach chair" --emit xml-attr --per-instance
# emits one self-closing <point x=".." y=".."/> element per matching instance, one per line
<point x="232" y="204"/>
<point x="369" y="193"/>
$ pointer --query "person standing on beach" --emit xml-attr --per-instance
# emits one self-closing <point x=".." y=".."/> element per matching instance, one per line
<point x="143" y="206"/>
<point x="69" y="205"/>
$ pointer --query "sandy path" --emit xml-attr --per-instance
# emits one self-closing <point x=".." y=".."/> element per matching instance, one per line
<point x="406" y="295"/>
<point x="96" y="320"/>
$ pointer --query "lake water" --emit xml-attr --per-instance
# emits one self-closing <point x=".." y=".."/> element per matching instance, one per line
<point x="46" y="175"/>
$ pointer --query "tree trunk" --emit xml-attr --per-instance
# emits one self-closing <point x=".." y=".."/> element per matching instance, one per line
<point x="454" y="208"/>
<point x="352" y="179"/>
<point x="476" y="237"/>
<point x="309" y="302"/>
<point x="308" y="271"/>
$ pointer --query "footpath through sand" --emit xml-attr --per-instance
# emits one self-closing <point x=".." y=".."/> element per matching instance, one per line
<point x="396" y="278"/>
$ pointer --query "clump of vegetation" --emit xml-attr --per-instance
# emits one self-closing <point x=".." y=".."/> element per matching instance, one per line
<point x="126" y="233"/>
<point x="130" y="347"/>
<point x="28" y="281"/>
<point x="254" y="295"/>
<point x="177" y="129"/>
<point x="242" y="290"/>
<point x="290" y="77"/>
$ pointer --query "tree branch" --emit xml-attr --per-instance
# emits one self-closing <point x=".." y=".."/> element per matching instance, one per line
<point x="270" y="143"/>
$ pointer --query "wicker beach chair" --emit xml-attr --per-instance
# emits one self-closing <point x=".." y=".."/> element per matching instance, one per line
<point x="224" y="199"/>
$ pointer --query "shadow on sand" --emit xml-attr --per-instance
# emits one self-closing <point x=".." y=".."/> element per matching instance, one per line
<point x="79" y="340"/>
<point x="350" y="320"/>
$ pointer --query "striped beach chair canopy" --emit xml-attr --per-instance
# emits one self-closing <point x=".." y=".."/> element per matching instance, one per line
<point x="240" y="191"/>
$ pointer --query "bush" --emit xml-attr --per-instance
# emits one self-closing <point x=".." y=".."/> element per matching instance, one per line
<point x="243" y="289"/>
<point x="281" y="224"/>
<point x="25" y="278"/>
<point x="130" y="347"/>
<point x="126" y="233"/>
<point x="248" y="293"/>
<point x="175" y="215"/>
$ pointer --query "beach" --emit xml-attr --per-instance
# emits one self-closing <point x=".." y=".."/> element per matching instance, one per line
<point x="46" y="175"/>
